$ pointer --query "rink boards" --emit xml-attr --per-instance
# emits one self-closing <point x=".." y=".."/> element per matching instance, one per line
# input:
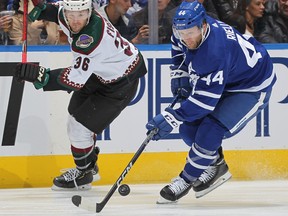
<point x="34" y="145"/>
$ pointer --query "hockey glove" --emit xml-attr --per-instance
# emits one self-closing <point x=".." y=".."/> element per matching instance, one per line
<point x="16" y="5"/>
<point x="180" y="84"/>
<point x="38" y="75"/>
<point x="39" y="6"/>
<point x="164" y="122"/>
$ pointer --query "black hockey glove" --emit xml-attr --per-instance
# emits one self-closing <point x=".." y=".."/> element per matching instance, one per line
<point x="36" y="74"/>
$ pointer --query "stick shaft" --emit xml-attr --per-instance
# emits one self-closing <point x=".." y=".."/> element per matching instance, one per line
<point x="100" y="206"/>
<point x="24" y="31"/>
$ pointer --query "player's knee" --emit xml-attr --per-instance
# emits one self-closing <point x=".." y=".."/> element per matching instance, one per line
<point x="80" y="136"/>
<point x="187" y="139"/>
<point x="187" y="133"/>
<point x="210" y="134"/>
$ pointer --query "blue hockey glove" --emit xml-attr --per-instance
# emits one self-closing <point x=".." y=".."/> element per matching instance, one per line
<point x="180" y="84"/>
<point x="164" y="122"/>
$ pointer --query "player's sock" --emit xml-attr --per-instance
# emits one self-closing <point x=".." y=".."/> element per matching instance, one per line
<point x="95" y="170"/>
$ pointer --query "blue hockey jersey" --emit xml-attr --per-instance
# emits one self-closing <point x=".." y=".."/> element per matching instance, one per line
<point x="226" y="61"/>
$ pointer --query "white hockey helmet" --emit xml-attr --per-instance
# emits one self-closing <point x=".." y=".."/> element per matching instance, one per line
<point x="77" y="5"/>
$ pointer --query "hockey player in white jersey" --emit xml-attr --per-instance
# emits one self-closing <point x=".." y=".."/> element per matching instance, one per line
<point x="104" y="77"/>
<point x="224" y="79"/>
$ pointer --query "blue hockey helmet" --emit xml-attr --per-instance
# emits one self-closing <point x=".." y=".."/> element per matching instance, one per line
<point x="188" y="15"/>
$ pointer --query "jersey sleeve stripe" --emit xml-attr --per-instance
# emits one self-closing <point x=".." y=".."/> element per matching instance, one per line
<point x="208" y="94"/>
<point x="200" y="104"/>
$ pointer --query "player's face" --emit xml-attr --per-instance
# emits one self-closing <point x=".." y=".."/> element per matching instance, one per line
<point x="77" y="19"/>
<point x="192" y="37"/>
<point x="123" y="6"/>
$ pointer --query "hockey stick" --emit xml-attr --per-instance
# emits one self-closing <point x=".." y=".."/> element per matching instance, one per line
<point x="77" y="199"/>
<point x="24" y="31"/>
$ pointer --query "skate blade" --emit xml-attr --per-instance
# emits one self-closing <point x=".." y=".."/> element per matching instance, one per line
<point x="80" y="188"/>
<point x="96" y="177"/>
<point x="162" y="200"/>
<point x="216" y="184"/>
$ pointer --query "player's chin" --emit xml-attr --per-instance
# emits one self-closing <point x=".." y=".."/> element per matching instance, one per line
<point x="191" y="46"/>
<point x="76" y="29"/>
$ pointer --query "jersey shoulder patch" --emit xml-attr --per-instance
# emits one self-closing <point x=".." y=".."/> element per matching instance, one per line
<point x="88" y="38"/>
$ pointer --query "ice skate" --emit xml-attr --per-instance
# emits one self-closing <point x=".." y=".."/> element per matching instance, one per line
<point x="95" y="173"/>
<point x="214" y="176"/>
<point x="174" y="191"/>
<point x="73" y="179"/>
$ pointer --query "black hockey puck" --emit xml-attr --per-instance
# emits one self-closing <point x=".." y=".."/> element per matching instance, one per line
<point x="124" y="190"/>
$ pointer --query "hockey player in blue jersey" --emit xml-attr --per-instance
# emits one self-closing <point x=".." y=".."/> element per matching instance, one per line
<point x="224" y="79"/>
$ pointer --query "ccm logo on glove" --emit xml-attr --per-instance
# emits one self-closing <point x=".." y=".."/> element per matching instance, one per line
<point x="171" y="120"/>
<point x="41" y="73"/>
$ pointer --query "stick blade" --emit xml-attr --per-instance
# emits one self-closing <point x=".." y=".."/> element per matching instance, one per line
<point x="83" y="203"/>
<point x="99" y="207"/>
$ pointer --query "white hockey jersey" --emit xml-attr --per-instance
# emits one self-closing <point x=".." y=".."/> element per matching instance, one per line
<point x="98" y="48"/>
